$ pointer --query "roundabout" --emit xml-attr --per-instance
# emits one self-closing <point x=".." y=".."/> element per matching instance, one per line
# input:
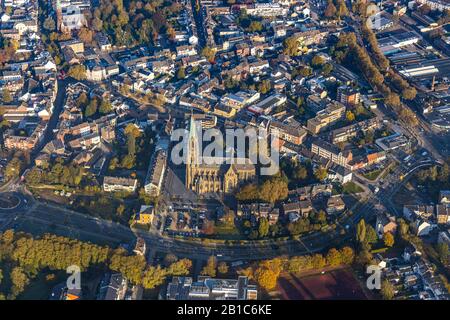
<point x="9" y="201"/>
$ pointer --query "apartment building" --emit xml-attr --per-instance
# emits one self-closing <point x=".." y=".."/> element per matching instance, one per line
<point x="331" y="152"/>
<point x="345" y="133"/>
<point x="115" y="184"/>
<point x="332" y="113"/>
<point x="348" y="96"/>
<point x="286" y="132"/>
<point x="155" y="175"/>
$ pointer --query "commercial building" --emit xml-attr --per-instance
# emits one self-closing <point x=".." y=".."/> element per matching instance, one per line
<point x="206" y="288"/>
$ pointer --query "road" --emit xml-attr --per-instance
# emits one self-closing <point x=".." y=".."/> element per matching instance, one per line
<point x="38" y="218"/>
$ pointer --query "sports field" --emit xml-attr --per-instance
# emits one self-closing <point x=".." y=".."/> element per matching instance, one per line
<point x="335" y="284"/>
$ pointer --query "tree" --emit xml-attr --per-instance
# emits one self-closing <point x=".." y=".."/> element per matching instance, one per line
<point x="317" y="61"/>
<point x="264" y="86"/>
<point x="334" y="257"/>
<point x="208" y="53"/>
<point x="361" y="231"/>
<point x="6" y="96"/>
<point x="210" y="268"/>
<point x="120" y="210"/>
<point x="78" y="72"/>
<point x="255" y="26"/>
<point x="291" y="46"/>
<point x="403" y="228"/>
<point x="13" y="168"/>
<point x="330" y="11"/>
<point x="350" y="116"/>
<point x="300" y="173"/>
<point x="91" y="108"/>
<point x="49" y="24"/>
<point x="392" y="100"/>
<point x="86" y="35"/>
<point x="263" y="227"/>
<point x="180" y="268"/>
<point x="327" y="68"/>
<point x="442" y="249"/>
<point x="169" y="259"/>
<point x="222" y="267"/>
<point x="342" y="10"/>
<point x="347" y="255"/>
<point x="273" y="190"/>
<point x="105" y="107"/>
<point x="387" y="290"/>
<point x="19" y="281"/>
<point x="153" y="277"/>
<point x="371" y="234"/>
<point x="321" y="173"/>
<point x="388" y="239"/>
<point x="409" y="93"/>
<point x="181" y="74"/>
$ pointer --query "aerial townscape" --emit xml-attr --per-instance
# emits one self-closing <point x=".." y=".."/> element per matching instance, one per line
<point x="224" y="150"/>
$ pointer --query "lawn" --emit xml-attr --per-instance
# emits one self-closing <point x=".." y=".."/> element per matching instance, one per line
<point x="351" y="188"/>
<point x="373" y="175"/>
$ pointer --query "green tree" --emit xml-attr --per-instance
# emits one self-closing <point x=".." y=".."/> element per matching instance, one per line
<point x="264" y="86"/>
<point x="153" y="277"/>
<point x="321" y="173"/>
<point x="208" y="53"/>
<point x="317" y="61"/>
<point x="263" y="227"/>
<point x="222" y="267"/>
<point x="347" y="255"/>
<point x="350" y="116"/>
<point x="361" y="231"/>
<point x="13" y="168"/>
<point x="19" y="281"/>
<point x="387" y="290"/>
<point x="210" y="268"/>
<point x="91" y="108"/>
<point x="301" y="173"/>
<point x="78" y="72"/>
<point x="291" y="46"/>
<point x="181" y="74"/>
<point x="49" y="24"/>
<point x="388" y="239"/>
<point x="334" y="257"/>
<point x="371" y="234"/>
<point x="105" y="107"/>
<point x="6" y="96"/>
<point x="442" y="249"/>
<point x="180" y="268"/>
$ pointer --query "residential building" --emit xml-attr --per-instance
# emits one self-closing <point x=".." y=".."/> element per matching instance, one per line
<point x="331" y="152"/>
<point x="112" y="287"/>
<point x="146" y="215"/>
<point x="332" y="113"/>
<point x="155" y="174"/>
<point x="385" y="224"/>
<point x="116" y="184"/>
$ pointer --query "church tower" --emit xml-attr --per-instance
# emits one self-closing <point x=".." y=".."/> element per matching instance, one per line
<point x="193" y="153"/>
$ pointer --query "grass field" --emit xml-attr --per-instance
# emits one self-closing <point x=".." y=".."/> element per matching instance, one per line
<point x="351" y="188"/>
<point x="373" y="175"/>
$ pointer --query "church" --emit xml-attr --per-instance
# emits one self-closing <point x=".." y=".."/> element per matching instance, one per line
<point x="216" y="176"/>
